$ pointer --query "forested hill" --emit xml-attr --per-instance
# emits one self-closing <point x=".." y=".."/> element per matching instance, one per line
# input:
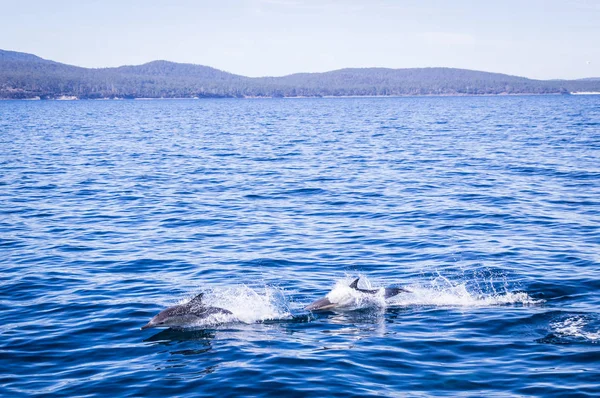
<point x="28" y="76"/>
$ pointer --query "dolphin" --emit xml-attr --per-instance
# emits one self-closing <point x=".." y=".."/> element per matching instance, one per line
<point x="326" y="304"/>
<point x="180" y="316"/>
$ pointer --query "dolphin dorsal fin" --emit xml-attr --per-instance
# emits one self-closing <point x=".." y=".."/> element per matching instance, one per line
<point x="197" y="299"/>
<point x="354" y="285"/>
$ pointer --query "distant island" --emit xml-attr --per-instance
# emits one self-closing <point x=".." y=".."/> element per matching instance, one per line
<point x="26" y="76"/>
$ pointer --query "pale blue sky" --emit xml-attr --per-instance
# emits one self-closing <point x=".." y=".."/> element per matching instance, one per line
<point x="542" y="39"/>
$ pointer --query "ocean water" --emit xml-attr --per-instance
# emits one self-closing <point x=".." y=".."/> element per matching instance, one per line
<point x="487" y="209"/>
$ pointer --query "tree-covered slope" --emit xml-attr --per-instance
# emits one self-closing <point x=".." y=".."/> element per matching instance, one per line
<point x="28" y="76"/>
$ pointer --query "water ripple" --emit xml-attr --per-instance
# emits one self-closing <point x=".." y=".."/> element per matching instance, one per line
<point x="485" y="208"/>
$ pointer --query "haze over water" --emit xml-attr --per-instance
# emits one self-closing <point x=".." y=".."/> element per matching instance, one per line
<point x="486" y="208"/>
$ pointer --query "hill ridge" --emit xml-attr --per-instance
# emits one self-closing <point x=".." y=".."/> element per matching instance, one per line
<point x="25" y="76"/>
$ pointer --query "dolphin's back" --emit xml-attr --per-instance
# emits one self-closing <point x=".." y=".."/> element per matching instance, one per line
<point x="392" y="291"/>
<point x="389" y="291"/>
<point x="202" y="311"/>
<point x="206" y="311"/>
<point x="196" y="307"/>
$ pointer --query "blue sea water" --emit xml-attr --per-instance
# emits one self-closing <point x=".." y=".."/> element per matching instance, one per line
<point x="486" y="208"/>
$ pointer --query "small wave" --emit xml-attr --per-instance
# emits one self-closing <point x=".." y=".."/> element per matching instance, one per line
<point x="576" y="327"/>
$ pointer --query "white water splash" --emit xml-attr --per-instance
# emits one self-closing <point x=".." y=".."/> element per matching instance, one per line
<point x="250" y="305"/>
<point x="440" y="292"/>
<point x="575" y="326"/>
<point x="350" y="299"/>
<point x="459" y="295"/>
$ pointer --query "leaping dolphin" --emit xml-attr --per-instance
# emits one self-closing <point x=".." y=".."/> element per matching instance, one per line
<point x="180" y="316"/>
<point x="327" y="302"/>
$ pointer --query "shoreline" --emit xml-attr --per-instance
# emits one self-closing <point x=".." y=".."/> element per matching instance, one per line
<point x="74" y="98"/>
